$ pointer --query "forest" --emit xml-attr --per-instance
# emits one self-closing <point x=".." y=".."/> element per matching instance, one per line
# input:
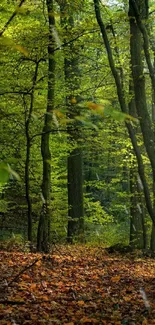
<point x="77" y="162"/>
<point x="77" y="123"/>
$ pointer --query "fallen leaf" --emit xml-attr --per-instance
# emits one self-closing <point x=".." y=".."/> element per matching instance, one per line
<point x="80" y="302"/>
<point x="85" y="319"/>
<point x="115" y="278"/>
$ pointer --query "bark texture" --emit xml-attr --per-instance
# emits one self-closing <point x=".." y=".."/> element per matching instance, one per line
<point x="28" y="148"/>
<point x="43" y="236"/>
<point x="74" y="164"/>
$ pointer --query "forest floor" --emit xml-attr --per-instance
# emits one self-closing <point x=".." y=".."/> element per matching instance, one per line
<point x="76" y="285"/>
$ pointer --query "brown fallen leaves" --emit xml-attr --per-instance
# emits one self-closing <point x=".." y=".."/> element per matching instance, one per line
<point x="76" y="285"/>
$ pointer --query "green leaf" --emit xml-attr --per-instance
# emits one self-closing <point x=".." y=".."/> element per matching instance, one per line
<point x="21" y="10"/>
<point x="5" y="172"/>
<point x="88" y="124"/>
<point x="6" y="41"/>
<point x="106" y="111"/>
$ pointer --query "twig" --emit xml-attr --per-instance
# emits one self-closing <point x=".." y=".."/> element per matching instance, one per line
<point x="13" y="302"/>
<point x="11" y="18"/>
<point x="22" y="271"/>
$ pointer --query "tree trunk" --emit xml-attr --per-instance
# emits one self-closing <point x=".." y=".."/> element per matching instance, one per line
<point x="28" y="147"/>
<point x="27" y="185"/>
<point x="75" y="195"/>
<point x="75" y="163"/>
<point x="152" y="241"/>
<point x="137" y="59"/>
<point x="137" y="30"/>
<point x="138" y="238"/>
<point x="43" y="236"/>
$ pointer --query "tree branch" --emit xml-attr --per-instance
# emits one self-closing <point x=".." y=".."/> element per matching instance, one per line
<point x="18" y="302"/>
<point x="110" y="57"/>
<point x="22" y="271"/>
<point x="11" y="18"/>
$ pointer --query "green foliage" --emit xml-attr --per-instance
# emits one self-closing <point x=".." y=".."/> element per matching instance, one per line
<point x="106" y="110"/>
<point x="107" y="234"/>
<point x="95" y="213"/>
<point x="6" y="172"/>
<point x="15" y="243"/>
<point x="3" y="206"/>
<point x="6" y="41"/>
<point x="106" y="147"/>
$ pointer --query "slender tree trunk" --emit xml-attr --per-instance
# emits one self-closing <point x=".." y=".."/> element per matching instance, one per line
<point x="75" y="195"/>
<point x="152" y="241"/>
<point x="27" y="184"/>
<point x="28" y="148"/>
<point x="75" y="163"/>
<point x="43" y="236"/>
<point x="136" y="46"/>
<point x="138" y="237"/>
<point x="137" y="225"/>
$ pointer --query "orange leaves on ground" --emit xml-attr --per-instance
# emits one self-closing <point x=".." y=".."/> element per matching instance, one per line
<point x="128" y="298"/>
<point x="26" y="277"/>
<point x="81" y="303"/>
<point x="38" y="263"/>
<point x="45" y="298"/>
<point x="33" y="286"/>
<point x="87" y="320"/>
<point x="115" y="278"/>
<point x="77" y="285"/>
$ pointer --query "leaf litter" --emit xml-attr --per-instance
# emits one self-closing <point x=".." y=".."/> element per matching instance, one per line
<point x="76" y="285"/>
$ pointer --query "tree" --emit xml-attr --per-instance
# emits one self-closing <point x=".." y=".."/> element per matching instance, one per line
<point x="28" y="117"/>
<point x="138" y="29"/>
<point x="139" y="39"/>
<point x="43" y="236"/>
<point x="74" y="161"/>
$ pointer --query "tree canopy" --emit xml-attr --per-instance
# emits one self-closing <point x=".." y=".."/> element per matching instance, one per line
<point x="77" y="122"/>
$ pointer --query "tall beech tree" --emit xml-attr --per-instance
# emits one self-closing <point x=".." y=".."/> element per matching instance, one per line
<point x="152" y="241"/>
<point x="138" y="14"/>
<point x="74" y="161"/>
<point x="43" y="236"/>
<point x="28" y="117"/>
<point x="138" y="236"/>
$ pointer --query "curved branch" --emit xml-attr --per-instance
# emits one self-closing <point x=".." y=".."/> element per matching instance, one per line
<point x="114" y="71"/>
<point x="11" y="18"/>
